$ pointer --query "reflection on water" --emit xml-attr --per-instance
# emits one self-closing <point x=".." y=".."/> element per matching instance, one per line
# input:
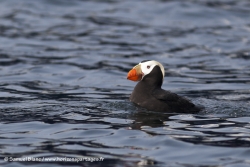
<point x="64" y="91"/>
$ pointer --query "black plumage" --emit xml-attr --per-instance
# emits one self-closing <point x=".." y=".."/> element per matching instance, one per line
<point x="149" y="94"/>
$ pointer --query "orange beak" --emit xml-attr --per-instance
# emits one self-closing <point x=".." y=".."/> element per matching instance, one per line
<point x="135" y="74"/>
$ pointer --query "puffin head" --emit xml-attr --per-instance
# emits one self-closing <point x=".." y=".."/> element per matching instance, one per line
<point x="146" y="68"/>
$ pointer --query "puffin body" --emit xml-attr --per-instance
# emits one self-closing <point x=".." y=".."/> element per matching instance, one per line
<point x="149" y="94"/>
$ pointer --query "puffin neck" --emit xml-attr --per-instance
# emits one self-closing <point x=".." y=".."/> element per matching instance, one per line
<point x="154" y="79"/>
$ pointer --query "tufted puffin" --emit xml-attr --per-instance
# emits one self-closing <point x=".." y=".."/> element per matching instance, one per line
<point x="149" y="94"/>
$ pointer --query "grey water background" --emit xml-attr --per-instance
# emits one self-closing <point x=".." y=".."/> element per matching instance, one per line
<point x="64" y="93"/>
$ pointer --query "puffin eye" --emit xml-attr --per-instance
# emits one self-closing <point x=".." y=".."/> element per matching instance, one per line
<point x="148" y="67"/>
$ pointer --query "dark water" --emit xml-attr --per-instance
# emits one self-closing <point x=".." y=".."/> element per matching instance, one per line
<point x="64" y="91"/>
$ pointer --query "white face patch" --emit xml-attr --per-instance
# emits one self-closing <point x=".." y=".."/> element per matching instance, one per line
<point x="147" y="67"/>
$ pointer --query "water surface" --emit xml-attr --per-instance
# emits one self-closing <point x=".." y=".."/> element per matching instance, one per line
<point x="64" y="91"/>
